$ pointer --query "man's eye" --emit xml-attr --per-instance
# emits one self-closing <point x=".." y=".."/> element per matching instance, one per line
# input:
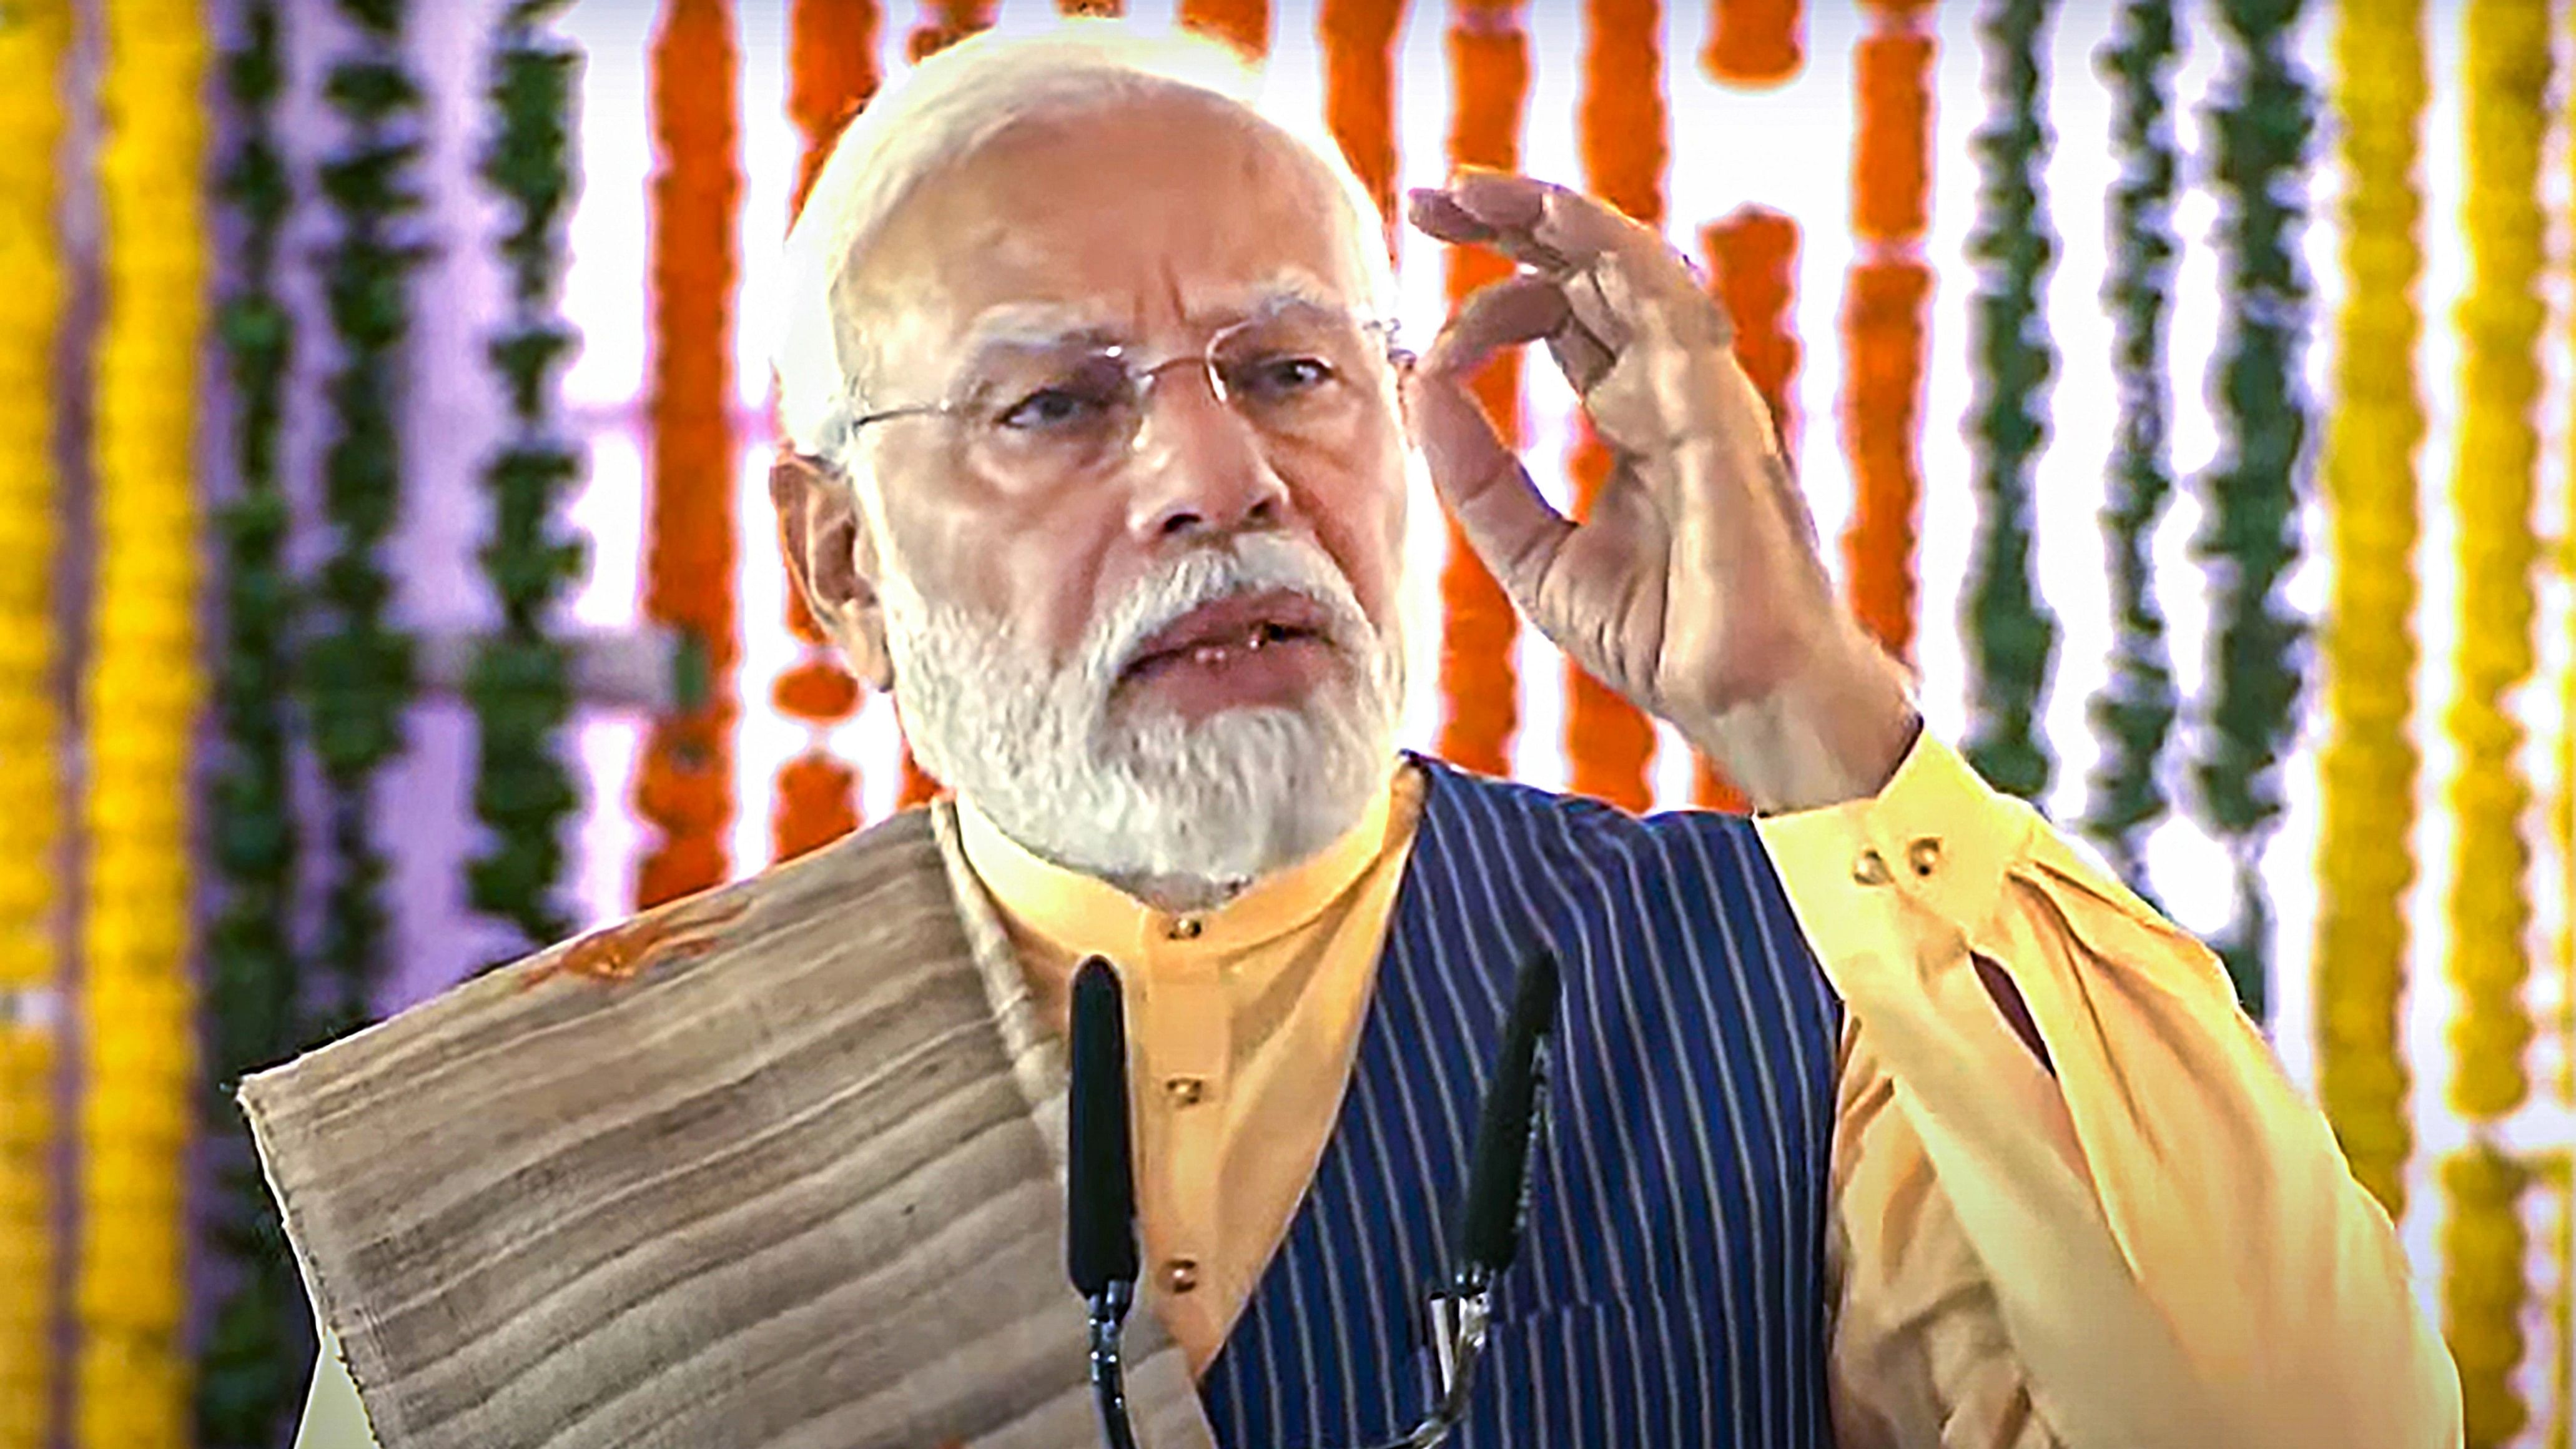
<point x="1050" y="408"/>
<point x="1281" y="378"/>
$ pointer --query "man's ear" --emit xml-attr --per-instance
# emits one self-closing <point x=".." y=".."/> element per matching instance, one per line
<point x="834" y="560"/>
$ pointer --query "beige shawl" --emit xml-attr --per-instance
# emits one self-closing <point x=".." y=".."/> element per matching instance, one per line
<point x="779" y="1165"/>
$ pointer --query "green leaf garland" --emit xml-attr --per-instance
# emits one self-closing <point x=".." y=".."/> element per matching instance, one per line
<point x="2011" y="635"/>
<point x="357" y="666"/>
<point x="251" y="1367"/>
<point x="2134" y="711"/>
<point x="2263" y="125"/>
<point x="521" y="688"/>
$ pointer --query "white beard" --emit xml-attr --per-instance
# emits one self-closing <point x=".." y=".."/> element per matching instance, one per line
<point x="1208" y="805"/>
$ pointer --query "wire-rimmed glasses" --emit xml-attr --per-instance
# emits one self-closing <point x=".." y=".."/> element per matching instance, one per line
<point x="1302" y="376"/>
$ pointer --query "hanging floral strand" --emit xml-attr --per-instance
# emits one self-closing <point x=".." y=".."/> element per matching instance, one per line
<point x="357" y="666"/>
<point x="685" y="784"/>
<point x="2263" y="124"/>
<point x="2501" y="320"/>
<point x="1753" y="261"/>
<point x="1243" y="24"/>
<point x="1359" y="91"/>
<point x="1490" y="69"/>
<point x="943" y="24"/>
<point x="520" y="685"/>
<point x="33" y="46"/>
<point x="832" y="71"/>
<point x="1884" y="298"/>
<point x="1755" y="43"/>
<point x="2133" y="712"/>
<point x="2365" y="861"/>
<point x="252" y="1366"/>
<point x="140" y="695"/>
<point x="1620" y="127"/>
<point x="2011" y="634"/>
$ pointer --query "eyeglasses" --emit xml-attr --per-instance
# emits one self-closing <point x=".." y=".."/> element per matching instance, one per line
<point x="1302" y="377"/>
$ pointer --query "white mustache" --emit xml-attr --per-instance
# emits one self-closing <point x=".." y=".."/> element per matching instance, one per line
<point x="1249" y="564"/>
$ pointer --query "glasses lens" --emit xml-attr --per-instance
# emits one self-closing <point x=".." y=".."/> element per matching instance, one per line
<point x="1048" y="413"/>
<point x="1303" y="375"/>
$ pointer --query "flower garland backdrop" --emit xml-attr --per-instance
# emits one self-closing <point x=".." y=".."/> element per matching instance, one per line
<point x="2011" y="635"/>
<point x="2492" y="492"/>
<point x="2251" y="497"/>
<point x="2365" y="851"/>
<point x="33" y="45"/>
<point x="685" y="785"/>
<point x="520" y="685"/>
<point x="1619" y="125"/>
<point x="2133" y="712"/>
<point x="356" y="670"/>
<point x="139" y="697"/>
<point x="1885" y="295"/>
<point x="831" y="60"/>
<point x="1489" y="64"/>
<point x="250" y="1376"/>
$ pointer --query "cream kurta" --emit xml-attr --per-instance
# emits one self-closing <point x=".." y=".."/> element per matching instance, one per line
<point x="2150" y="1240"/>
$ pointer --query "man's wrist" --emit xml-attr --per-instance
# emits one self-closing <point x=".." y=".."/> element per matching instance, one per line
<point x="1832" y="733"/>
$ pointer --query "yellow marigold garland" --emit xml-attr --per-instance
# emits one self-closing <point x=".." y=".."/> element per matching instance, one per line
<point x="140" y="697"/>
<point x="2492" y="491"/>
<point x="33" y="42"/>
<point x="2364" y="860"/>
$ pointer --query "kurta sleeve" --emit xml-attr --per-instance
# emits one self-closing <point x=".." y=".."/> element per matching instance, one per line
<point x="2131" y="1232"/>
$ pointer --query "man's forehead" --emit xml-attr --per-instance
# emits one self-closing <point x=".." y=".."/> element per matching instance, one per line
<point x="1040" y="321"/>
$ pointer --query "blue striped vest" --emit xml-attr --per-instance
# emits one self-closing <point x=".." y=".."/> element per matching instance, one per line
<point x="1669" y="1289"/>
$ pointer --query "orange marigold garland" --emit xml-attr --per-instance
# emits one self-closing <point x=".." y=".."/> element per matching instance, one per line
<point x="1243" y="24"/>
<point x="1756" y="42"/>
<point x="832" y="72"/>
<point x="1359" y="91"/>
<point x="943" y="24"/>
<point x="1490" y="67"/>
<point x="1753" y="257"/>
<point x="1884" y="298"/>
<point x="1609" y="742"/>
<point x="686" y="778"/>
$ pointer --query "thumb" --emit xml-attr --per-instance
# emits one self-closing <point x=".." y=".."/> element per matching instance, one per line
<point x="1498" y="506"/>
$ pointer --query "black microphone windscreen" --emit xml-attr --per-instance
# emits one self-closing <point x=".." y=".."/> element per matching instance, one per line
<point x="1498" y="1175"/>
<point x="1100" y="1188"/>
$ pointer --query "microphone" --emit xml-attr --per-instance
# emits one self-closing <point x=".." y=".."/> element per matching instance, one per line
<point x="1498" y="1180"/>
<point x="1100" y="1193"/>
<point x="1100" y="1185"/>
<point x="1498" y="1193"/>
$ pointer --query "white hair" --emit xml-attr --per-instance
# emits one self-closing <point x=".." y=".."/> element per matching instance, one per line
<point x="1039" y="746"/>
<point x="949" y="107"/>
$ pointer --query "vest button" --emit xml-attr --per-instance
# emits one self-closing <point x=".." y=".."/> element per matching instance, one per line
<point x="1181" y="1274"/>
<point x="1871" y="869"/>
<point x="1924" y="855"/>
<point x="1185" y="1091"/>
<point x="1187" y="928"/>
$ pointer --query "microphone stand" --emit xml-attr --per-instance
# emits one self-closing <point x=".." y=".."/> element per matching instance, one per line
<point x="1100" y="1210"/>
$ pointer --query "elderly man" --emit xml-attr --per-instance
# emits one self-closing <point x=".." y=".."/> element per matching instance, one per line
<point x="1882" y="1119"/>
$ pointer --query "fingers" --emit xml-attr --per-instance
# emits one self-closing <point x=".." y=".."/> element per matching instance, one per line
<point x="1495" y="501"/>
<point x="1517" y="310"/>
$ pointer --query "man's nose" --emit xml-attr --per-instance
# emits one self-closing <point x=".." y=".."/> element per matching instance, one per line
<point x="1200" y="468"/>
